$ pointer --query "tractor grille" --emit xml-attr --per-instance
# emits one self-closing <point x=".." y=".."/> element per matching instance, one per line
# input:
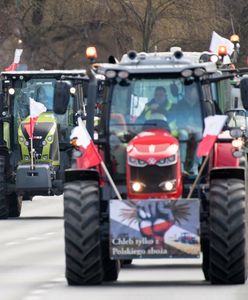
<point x="41" y="130"/>
<point x="152" y="176"/>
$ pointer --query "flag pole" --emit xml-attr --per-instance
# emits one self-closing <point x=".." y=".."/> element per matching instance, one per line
<point x="111" y="180"/>
<point x="31" y="144"/>
<point x="32" y="153"/>
<point x="197" y="177"/>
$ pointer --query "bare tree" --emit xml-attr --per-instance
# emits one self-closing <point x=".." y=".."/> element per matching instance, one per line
<point x="143" y="16"/>
<point x="9" y="33"/>
<point x="56" y="33"/>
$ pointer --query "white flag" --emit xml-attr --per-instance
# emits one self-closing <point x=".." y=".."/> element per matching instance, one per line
<point x="213" y="126"/>
<point x="17" y="57"/>
<point x="36" y="108"/>
<point x="90" y="157"/>
<point x="217" y="41"/>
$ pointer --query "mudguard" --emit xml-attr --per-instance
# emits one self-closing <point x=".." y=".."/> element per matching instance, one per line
<point x="223" y="155"/>
<point x="227" y="172"/>
<point x="73" y="175"/>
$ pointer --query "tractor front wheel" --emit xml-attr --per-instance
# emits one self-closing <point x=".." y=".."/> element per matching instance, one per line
<point x="4" y="206"/>
<point x="228" y="231"/>
<point x="15" y="205"/>
<point x="82" y="233"/>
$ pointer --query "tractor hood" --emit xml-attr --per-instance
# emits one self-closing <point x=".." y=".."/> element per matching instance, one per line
<point x="45" y="139"/>
<point x="152" y="145"/>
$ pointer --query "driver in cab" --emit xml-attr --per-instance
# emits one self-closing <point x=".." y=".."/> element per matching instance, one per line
<point x="158" y="105"/>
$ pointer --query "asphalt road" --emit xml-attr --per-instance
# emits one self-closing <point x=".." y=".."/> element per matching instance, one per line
<point x="32" y="266"/>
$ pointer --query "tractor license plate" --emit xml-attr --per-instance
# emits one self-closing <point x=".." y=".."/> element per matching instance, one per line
<point x="154" y="229"/>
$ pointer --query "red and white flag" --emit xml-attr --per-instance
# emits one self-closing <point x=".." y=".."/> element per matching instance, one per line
<point x="35" y="109"/>
<point x="213" y="127"/>
<point x="218" y="41"/>
<point x="90" y="156"/>
<point x="17" y="57"/>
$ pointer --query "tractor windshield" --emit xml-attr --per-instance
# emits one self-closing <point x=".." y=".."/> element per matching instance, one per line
<point x="41" y="90"/>
<point x="169" y="103"/>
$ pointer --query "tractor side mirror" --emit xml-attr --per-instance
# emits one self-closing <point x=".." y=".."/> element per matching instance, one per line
<point x="244" y="92"/>
<point x="61" y="97"/>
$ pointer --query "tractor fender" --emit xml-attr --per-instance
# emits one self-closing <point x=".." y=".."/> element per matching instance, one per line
<point x="223" y="156"/>
<point x="73" y="175"/>
<point x="228" y="172"/>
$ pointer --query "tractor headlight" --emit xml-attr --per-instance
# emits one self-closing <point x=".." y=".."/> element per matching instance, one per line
<point x="26" y="143"/>
<point x="171" y="160"/>
<point x="136" y="162"/>
<point x="73" y="90"/>
<point x="123" y="74"/>
<point x="50" y="138"/>
<point x="187" y="73"/>
<point x="137" y="186"/>
<point x="44" y="143"/>
<point x="11" y="91"/>
<point x="110" y="74"/>
<point x="236" y="132"/>
<point x="21" y="139"/>
<point x="168" y="185"/>
<point x="198" y="72"/>
<point x="214" y="58"/>
<point x="237" y="143"/>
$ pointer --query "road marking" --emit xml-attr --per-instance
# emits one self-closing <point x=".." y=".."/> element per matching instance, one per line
<point x="39" y="292"/>
<point x="31" y="297"/>
<point x="47" y="286"/>
<point x="51" y="233"/>
<point x="35" y="238"/>
<point x="58" y="279"/>
<point x="12" y="243"/>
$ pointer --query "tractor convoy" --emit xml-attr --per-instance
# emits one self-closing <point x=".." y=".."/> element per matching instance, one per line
<point x="148" y="194"/>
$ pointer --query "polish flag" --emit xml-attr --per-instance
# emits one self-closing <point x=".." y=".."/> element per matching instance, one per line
<point x="90" y="156"/>
<point x="35" y="108"/>
<point x="17" y="57"/>
<point x="217" y="41"/>
<point x="213" y="127"/>
<point x="12" y="67"/>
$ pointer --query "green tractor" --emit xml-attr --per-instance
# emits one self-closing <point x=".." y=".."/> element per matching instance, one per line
<point x="35" y="151"/>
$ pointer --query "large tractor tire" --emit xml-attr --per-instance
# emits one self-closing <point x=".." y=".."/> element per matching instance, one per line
<point x="205" y="237"/>
<point x="205" y="257"/>
<point x="82" y="233"/>
<point x="4" y="207"/>
<point x="228" y="232"/>
<point x="15" y="205"/>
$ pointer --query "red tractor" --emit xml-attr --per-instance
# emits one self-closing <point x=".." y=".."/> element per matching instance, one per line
<point x="149" y="148"/>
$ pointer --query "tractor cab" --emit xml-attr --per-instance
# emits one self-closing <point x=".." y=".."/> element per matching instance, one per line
<point x="36" y="140"/>
<point x="152" y="120"/>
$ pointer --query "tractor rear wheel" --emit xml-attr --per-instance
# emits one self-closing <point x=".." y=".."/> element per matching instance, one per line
<point x="228" y="232"/>
<point x="205" y="257"/>
<point x="4" y="207"/>
<point x="82" y="233"/>
<point x="15" y="205"/>
<point x="205" y="237"/>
